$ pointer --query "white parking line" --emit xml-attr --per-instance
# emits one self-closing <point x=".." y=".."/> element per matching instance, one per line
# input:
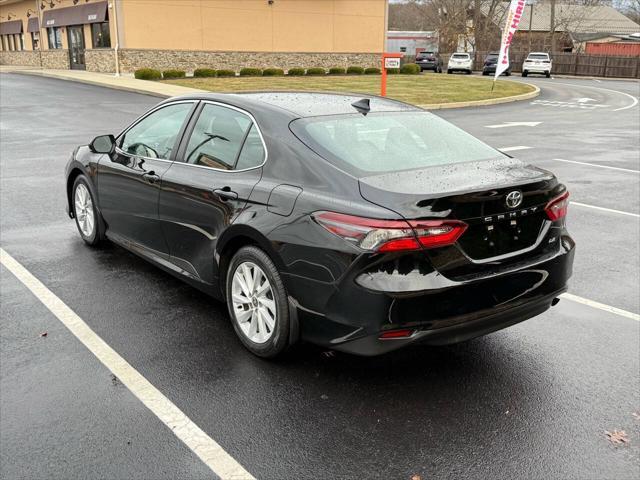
<point x="209" y="451"/>
<point x="513" y="149"/>
<point x="610" y="210"/>
<point x="601" y="306"/>
<point x="596" y="165"/>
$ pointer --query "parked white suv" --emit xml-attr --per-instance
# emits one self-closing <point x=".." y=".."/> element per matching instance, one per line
<point x="537" y="62"/>
<point x="460" y="62"/>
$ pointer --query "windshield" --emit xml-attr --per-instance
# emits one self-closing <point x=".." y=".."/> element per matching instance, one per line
<point x="461" y="55"/>
<point x="389" y="142"/>
<point x="538" y="56"/>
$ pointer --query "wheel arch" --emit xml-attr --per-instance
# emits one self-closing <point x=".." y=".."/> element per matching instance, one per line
<point x="75" y="170"/>
<point x="232" y="240"/>
<point x="236" y="237"/>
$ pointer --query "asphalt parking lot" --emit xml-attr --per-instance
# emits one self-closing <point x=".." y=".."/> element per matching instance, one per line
<point x="532" y="401"/>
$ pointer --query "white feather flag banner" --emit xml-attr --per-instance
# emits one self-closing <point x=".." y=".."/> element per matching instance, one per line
<point x="514" y="14"/>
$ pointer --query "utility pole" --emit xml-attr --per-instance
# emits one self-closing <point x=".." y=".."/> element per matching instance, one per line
<point x="553" y="25"/>
<point x="530" y="22"/>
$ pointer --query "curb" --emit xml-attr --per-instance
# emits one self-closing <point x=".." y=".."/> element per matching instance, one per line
<point x="489" y="101"/>
<point x="605" y="79"/>
<point x="98" y="83"/>
<point x="150" y="90"/>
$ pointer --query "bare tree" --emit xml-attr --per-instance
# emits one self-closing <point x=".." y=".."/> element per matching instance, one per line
<point x="631" y="8"/>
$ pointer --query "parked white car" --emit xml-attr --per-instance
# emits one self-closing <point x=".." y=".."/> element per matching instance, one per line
<point x="537" y="62"/>
<point x="460" y="62"/>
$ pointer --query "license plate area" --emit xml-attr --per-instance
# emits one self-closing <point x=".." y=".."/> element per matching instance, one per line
<point x="502" y="236"/>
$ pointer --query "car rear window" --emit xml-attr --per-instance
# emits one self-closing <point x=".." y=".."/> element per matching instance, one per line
<point x="388" y="142"/>
<point x="461" y="55"/>
<point x="538" y="56"/>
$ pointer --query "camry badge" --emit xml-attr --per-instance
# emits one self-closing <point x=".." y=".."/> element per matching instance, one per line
<point x="514" y="199"/>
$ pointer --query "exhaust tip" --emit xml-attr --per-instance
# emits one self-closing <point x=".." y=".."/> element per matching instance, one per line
<point x="555" y="301"/>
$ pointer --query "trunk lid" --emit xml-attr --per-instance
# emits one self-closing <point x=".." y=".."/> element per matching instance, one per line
<point x="475" y="193"/>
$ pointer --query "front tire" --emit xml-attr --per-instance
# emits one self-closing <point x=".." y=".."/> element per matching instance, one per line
<point x="548" y="74"/>
<point x="88" y="220"/>
<point x="525" y="73"/>
<point x="257" y="303"/>
<point x="449" y="71"/>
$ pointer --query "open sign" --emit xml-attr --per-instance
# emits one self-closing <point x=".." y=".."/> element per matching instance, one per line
<point x="391" y="63"/>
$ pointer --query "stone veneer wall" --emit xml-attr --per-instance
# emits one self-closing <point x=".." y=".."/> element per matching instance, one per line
<point x="27" y="58"/>
<point x="100" y="60"/>
<point x="189" y="60"/>
<point x="55" y="59"/>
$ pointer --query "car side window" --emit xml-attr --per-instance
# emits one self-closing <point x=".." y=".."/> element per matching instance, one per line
<point x="217" y="137"/>
<point x="155" y="136"/>
<point x="252" y="153"/>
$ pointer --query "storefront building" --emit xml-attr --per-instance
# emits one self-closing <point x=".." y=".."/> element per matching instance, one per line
<point x="105" y="35"/>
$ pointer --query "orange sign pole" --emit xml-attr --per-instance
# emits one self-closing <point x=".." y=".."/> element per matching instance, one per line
<point x="389" y="60"/>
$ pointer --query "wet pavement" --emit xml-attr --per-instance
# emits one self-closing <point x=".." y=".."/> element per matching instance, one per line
<point x="532" y="401"/>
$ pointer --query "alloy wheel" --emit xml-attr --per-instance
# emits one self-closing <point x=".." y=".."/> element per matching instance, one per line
<point x="84" y="210"/>
<point x="253" y="302"/>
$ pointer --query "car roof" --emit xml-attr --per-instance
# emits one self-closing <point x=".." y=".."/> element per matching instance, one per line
<point x="305" y="104"/>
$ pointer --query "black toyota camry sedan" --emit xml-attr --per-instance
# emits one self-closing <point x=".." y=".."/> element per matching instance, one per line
<point x="359" y="224"/>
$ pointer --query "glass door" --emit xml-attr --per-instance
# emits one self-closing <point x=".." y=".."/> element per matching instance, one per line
<point x="76" y="47"/>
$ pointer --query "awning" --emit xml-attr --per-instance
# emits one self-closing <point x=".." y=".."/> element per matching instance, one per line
<point x="10" y="28"/>
<point x="33" y="25"/>
<point x="88" y="13"/>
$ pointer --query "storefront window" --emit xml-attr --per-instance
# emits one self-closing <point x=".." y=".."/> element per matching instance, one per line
<point x="100" y="34"/>
<point x="19" y="41"/>
<point x="10" y="38"/>
<point x="35" y="40"/>
<point x="55" y="37"/>
<point x="4" y="43"/>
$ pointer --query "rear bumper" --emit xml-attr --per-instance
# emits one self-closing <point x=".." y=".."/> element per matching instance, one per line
<point x="536" y="68"/>
<point x="443" y="312"/>
<point x="479" y="324"/>
<point x="427" y="65"/>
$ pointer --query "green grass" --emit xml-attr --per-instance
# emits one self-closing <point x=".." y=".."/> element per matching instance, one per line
<point x="416" y="89"/>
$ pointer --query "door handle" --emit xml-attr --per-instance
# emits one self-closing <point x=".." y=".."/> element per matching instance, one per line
<point x="151" y="177"/>
<point x="226" y="194"/>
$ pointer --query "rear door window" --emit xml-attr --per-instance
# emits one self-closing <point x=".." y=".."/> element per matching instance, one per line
<point x="217" y="137"/>
<point x="225" y="139"/>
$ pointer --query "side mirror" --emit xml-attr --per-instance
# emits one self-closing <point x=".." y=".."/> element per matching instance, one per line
<point x="103" y="144"/>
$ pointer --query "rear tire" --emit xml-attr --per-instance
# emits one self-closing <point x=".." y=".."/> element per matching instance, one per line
<point x="449" y="71"/>
<point x="525" y="73"/>
<point x="548" y="74"/>
<point x="88" y="220"/>
<point x="258" y="303"/>
<point x="508" y="74"/>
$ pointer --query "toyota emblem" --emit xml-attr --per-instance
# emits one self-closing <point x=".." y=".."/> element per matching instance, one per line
<point x="514" y="199"/>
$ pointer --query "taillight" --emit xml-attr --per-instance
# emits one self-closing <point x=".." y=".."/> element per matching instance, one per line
<point x="391" y="235"/>
<point x="395" y="334"/>
<point x="557" y="208"/>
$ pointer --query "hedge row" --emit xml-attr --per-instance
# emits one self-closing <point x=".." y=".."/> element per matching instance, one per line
<point x="151" y="74"/>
